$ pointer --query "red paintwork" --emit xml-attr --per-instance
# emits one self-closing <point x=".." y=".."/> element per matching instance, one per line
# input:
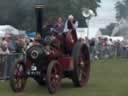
<point x="54" y="54"/>
<point x="71" y="39"/>
<point x="58" y="53"/>
<point x="66" y="62"/>
<point x="28" y="64"/>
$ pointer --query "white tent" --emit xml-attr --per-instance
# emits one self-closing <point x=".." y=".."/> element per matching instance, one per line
<point x="81" y="32"/>
<point x="2" y="34"/>
<point x="9" y="29"/>
<point x="98" y="34"/>
<point x="117" y="38"/>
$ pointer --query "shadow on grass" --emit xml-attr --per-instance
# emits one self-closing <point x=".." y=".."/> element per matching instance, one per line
<point x="33" y="89"/>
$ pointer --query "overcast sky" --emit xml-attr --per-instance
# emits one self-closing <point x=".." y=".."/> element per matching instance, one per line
<point x="106" y="15"/>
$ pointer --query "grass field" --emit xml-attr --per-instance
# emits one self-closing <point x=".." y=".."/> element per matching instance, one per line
<point x="108" y="78"/>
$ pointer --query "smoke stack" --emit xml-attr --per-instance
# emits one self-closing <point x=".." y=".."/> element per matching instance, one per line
<point x="39" y="18"/>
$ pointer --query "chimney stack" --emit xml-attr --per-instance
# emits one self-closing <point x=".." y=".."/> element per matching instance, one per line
<point x="39" y="10"/>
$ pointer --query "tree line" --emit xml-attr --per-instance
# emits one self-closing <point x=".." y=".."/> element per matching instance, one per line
<point x="121" y="12"/>
<point x="20" y="13"/>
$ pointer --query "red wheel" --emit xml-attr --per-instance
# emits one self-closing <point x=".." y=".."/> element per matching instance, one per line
<point x="54" y="74"/>
<point x="81" y="64"/>
<point x="18" y="77"/>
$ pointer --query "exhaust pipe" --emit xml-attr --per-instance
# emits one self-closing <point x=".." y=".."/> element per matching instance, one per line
<point x="39" y="19"/>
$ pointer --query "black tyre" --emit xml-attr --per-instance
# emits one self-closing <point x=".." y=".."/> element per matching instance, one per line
<point x="81" y="69"/>
<point x="18" y="77"/>
<point x="53" y="77"/>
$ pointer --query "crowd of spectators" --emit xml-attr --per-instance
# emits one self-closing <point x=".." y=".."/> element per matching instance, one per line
<point x="99" y="47"/>
<point x="107" y="48"/>
<point x="13" y="44"/>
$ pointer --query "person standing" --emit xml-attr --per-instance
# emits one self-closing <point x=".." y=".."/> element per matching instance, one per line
<point x="59" y="25"/>
<point x="69" y="33"/>
<point x="71" y="24"/>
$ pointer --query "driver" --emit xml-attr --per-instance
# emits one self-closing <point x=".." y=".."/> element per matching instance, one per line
<point x="70" y="28"/>
<point x="71" y="24"/>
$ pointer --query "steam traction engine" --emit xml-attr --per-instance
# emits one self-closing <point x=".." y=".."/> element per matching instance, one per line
<point x="51" y="59"/>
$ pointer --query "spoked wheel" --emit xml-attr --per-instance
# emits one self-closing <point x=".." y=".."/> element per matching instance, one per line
<point x="81" y="64"/>
<point x="53" y="77"/>
<point x="18" y="77"/>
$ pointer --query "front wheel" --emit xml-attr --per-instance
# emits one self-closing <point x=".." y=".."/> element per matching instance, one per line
<point x="53" y="77"/>
<point x="18" y="77"/>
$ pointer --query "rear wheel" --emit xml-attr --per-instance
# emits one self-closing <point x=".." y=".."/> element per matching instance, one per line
<point x="81" y="59"/>
<point x="53" y="77"/>
<point x="18" y="77"/>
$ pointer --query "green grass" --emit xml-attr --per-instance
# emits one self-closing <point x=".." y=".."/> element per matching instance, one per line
<point x="108" y="78"/>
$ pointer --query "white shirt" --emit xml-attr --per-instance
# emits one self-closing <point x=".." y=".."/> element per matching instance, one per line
<point x="66" y="26"/>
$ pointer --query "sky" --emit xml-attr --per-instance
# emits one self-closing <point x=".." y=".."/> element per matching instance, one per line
<point x="106" y="15"/>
